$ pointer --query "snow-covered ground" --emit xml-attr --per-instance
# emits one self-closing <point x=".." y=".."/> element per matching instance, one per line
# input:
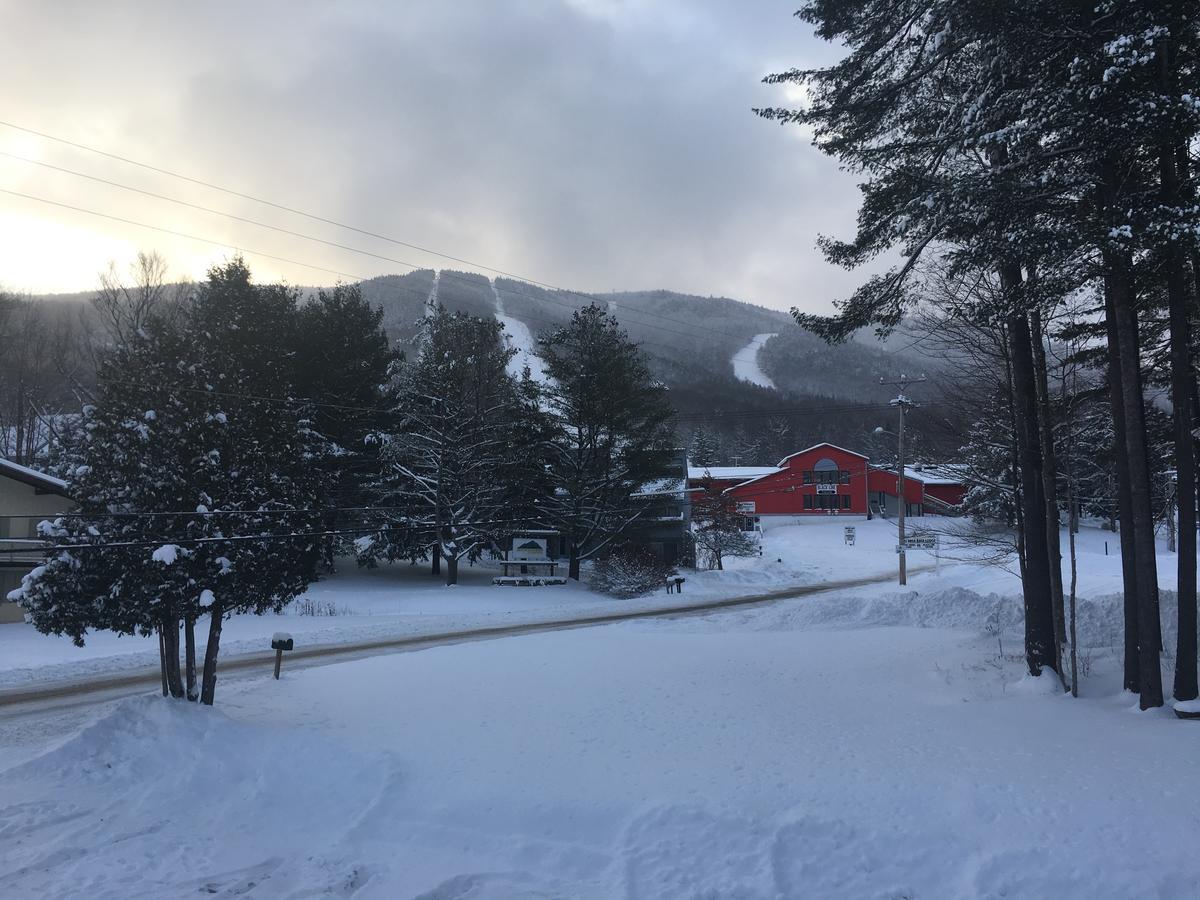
<point x="869" y="743"/>
<point x="521" y="339"/>
<point x="745" y="363"/>
<point x="404" y="600"/>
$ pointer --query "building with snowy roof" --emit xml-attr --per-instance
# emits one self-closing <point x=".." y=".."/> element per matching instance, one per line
<point x="829" y="480"/>
<point x="27" y="496"/>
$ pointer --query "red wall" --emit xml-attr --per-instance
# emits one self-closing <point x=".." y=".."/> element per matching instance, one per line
<point x="783" y="493"/>
<point x="947" y="493"/>
<point x="914" y="490"/>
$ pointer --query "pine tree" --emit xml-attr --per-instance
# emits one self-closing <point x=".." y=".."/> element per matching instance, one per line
<point x="609" y="431"/>
<point x="133" y="454"/>
<point x="747" y="449"/>
<point x="195" y="485"/>
<point x="268" y="457"/>
<point x="457" y="468"/>
<point x="344" y="363"/>
<point x="704" y="449"/>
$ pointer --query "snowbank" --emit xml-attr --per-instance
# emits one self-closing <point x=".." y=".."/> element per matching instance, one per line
<point x="642" y="761"/>
<point x="172" y="799"/>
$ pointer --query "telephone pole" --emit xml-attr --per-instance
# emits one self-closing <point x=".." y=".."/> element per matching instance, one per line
<point x="903" y="404"/>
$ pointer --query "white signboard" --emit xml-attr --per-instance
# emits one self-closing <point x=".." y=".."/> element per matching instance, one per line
<point x="921" y="542"/>
<point x="746" y="507"/>
<point x="826" y="488"/>
<point x="531" y="548"/>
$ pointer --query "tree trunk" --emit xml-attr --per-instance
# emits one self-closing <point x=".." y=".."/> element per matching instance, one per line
<point x="451" y="570"/>
<point x="162" y="658"/>
<point x="216" y="618"/>
<point x="1039" y="614"/>
<point x="1185" y="687"/>
<point x="170" y="631"/>
<point x="435" y="568"/>
<point x="1124" y="505"/>
<point x="189" y="634"/>
<point x="573" y="563"/>
<point x="1014" y="462"/>
<point x="1118" y="281"/>
<point x="1049" y="486"/>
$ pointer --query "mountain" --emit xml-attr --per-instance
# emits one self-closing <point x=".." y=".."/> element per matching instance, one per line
<point x="820" y="393"/>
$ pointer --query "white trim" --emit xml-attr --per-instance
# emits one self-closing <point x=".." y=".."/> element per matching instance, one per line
<point x="783" y="468"/>
<point x="16" y="471"/>
<point x="815" y="446"/>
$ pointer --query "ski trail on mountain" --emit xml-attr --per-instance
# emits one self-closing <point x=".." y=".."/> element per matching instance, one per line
<point x="520" y="338"/>
<point x="745" y="362"/>
<point x="431" y="300"/>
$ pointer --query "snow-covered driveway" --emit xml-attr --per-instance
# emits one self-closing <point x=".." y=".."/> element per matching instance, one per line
<point x="757" y="754"/>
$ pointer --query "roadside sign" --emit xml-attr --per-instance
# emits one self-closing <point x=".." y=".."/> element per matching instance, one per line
<point x="746" y="507"/>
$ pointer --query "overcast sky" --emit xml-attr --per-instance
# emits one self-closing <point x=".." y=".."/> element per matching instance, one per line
<point x="595" y="144"/>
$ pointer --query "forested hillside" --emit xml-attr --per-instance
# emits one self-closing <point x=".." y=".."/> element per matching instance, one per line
<point x="822" y="392"/>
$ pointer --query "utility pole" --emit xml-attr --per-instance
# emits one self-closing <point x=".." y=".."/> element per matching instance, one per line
<point x="902" y="403"/>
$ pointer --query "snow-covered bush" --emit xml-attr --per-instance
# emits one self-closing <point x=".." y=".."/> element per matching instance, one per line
<point x="628" y="573"/>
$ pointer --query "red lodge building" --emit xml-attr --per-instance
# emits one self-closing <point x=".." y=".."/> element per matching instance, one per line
<point x="830" y="480"/>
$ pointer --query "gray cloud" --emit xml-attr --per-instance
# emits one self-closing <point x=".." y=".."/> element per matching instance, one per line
<point x="598" y="144"/>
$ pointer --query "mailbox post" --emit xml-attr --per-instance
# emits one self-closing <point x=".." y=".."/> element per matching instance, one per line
<point x="280" y="641"/>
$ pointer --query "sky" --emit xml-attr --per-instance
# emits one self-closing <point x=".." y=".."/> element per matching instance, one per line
<point x="593" y="144"/>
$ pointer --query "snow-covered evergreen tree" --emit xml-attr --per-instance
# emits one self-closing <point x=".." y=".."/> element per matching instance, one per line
<point x="195" y="477"/>
<point x="704" y="448"/>
<point x="453" y="472"/>
<point x="609" y="431"/>
<point x="344" y="363"/>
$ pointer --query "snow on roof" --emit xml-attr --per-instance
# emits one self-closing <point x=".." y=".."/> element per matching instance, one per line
<point x="818" y="446"/>
<point x="930" y="474"/>
<point x="724" y="473"/>
<point x="660" y="486"/>
<point x="32" y="477"/>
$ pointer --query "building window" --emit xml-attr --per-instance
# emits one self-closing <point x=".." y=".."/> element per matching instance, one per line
<point x="845" y="477"/>
<point x="808" y="476"/>
<point x="846" y="501"/>
<point x="808" y="501"/>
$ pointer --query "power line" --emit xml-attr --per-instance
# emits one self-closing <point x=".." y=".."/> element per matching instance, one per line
<point x="353" y="277"/>
<point x="182" y="234"/>
<point x="308" y="237"/>
<point x="328" y="221"/>
<point x="46" y="546"/>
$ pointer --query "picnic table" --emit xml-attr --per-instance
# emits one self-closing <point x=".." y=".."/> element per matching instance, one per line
<point x="526" y="566"/>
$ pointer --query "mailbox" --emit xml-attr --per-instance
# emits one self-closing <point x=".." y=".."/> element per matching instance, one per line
<point x="280" y="641"/>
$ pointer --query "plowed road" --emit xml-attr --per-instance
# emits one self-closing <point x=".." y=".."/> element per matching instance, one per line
<point x="61" y="694"/>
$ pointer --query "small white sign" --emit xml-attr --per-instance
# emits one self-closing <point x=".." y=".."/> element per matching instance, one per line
<point x="531" y="548"/>
<point x="746" y="507"/>
<point x="826" y="488"/>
